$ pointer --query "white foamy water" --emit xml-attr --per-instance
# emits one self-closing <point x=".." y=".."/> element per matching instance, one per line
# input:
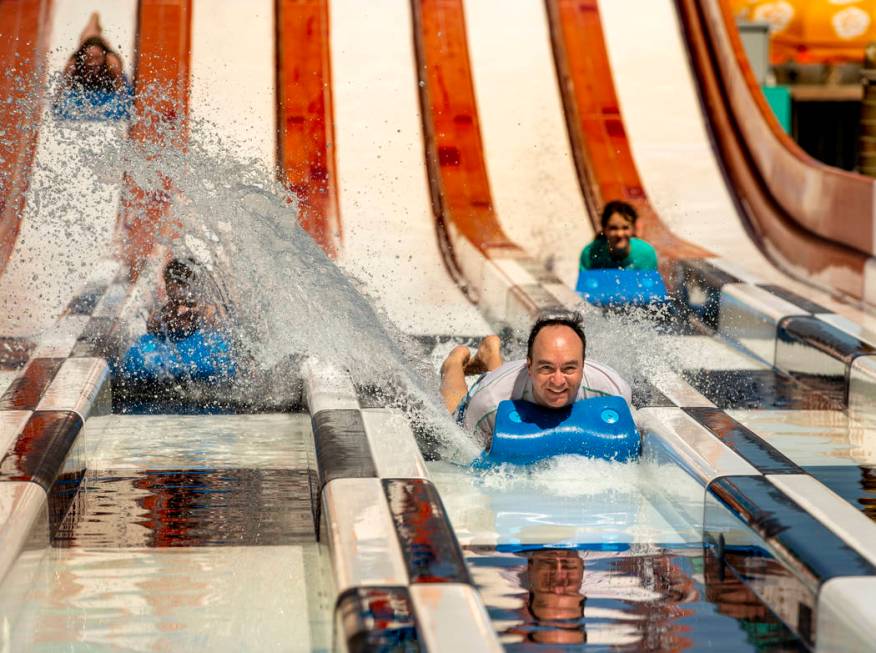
<point x="570" y="501"/>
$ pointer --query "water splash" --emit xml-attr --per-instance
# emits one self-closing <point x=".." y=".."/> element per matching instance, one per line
<point x="285" y="298"/>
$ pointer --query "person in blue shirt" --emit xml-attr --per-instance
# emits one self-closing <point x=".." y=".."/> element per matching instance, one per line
<point x="616" y="246"/>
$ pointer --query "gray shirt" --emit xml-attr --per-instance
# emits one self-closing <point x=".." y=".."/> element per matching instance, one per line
<point x="477" y="411"/>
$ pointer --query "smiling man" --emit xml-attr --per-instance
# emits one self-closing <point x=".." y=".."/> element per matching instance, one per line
<point x="554" y="374"/>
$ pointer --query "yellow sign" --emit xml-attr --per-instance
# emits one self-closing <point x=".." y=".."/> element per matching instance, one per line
<point x="814" y="31"/>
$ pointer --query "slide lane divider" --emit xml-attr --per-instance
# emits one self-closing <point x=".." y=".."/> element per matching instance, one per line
<point x="399" y="570"/>
<point x="823" y="351"/>
<point x="161" y="111"/>
<point x="831" y="265"/>
<point x="24" y="27"/>
<point x="782" y="532"/>
<point x="305" y="138"/>
<point x="668" y="432"/>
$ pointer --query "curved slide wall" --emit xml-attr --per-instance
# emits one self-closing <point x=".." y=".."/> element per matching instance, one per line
<point x="25" y="31"/>
<point x="305" y="125"/>
<point x="813" y="220"/>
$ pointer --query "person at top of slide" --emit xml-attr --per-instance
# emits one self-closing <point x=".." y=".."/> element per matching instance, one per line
<point x="554" y="374"/>
<point x="616" y="246"/>
<point x="94" y="66"/>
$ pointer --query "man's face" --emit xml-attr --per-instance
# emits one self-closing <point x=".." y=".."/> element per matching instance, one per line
<point x="556" y="367"/>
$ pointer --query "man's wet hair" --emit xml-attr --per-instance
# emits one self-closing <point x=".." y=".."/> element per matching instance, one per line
<point x="179" y="270"/>
<point x="558" y="317"/>
<point x="618" y="206"/>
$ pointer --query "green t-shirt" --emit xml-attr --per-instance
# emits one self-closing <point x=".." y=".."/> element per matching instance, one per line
<point x="596" y="256"/>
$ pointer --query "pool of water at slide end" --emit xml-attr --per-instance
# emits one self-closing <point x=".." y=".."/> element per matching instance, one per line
<point x="586" y="555"/>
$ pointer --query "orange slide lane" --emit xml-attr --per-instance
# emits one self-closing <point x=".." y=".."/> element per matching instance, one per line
<point x="305" y="137"/>
<point x="161" y="109"/>
<point x="784" y="239"/>
<point x="461" y="197"/>
<point x="603" y="158"/>
<point x="24" y="35"/>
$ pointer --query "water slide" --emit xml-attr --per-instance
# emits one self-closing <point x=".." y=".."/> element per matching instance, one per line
<point x="809" y="216"/>
<point x="433" y="159"/>
<point x="667" y="87"/>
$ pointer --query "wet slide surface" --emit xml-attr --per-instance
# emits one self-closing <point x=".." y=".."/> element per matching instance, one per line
<point x="25" y="28"/>
<point x="70" y="209"/>
<point x="389" y="231"/>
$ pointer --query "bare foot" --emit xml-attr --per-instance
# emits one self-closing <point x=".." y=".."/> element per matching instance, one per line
<point x="488" y="357"/>
<point x="92" y="27"/>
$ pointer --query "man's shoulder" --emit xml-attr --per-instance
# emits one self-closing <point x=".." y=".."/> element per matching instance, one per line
<point x="505" y="372"/>
<point x="604" y="378"/>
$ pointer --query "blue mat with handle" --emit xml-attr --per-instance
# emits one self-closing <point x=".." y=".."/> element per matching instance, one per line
<point x="621" y="287"/>
<point x="600" y="427"/>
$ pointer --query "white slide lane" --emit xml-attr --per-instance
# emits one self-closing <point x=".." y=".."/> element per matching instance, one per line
<point x="526" y="144"/>
<point x="389" y="239"/>
<point x="71" y="207"/>
<point x="232" y="79"/>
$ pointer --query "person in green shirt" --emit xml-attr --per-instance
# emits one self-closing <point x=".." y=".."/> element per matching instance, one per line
<point x="616" y="246"/>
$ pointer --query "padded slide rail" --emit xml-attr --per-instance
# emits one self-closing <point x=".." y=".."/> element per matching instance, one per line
<point x="399" y="571"/>
<point x="305" y="139"/>
<point x="825" y="352"/>
<point x="24" y="25"/>
<point x="777" y="528"/>
<point x="779" y="190"/>
<point x="42" y="413"/>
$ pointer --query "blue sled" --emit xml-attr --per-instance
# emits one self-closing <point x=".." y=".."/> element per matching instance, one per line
<point x="621" y="287"/>
<point x="82" y="104"/>
<point x="202" y="356"/>
<point x="600" y="427"/>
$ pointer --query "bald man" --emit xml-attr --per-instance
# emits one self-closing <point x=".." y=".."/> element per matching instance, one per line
<point x="554" y="374"/>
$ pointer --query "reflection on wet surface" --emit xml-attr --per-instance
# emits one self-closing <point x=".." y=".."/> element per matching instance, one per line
<point x="645" y="599"/>
<point x="192" y="599"/>
<point x="761" y="389"/>
<point x="838" y="451"/>
<point x="855" y="484"/>
<point x="203" y="507"/>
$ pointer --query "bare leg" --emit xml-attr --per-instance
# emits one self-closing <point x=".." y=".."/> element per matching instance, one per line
<point x="92" y="28"/>
<point x="460" y="363"/>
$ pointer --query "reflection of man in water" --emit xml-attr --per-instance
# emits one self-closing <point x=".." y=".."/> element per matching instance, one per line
<point x="555" y="599"/>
